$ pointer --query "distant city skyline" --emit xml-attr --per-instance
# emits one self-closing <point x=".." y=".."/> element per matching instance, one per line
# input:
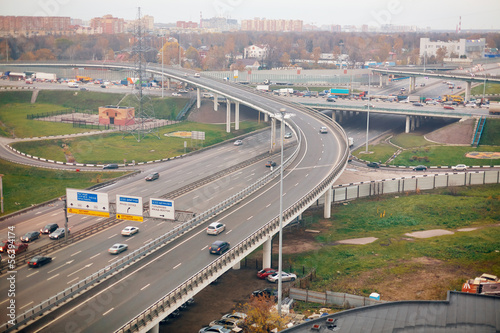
<point x="438" y="15"/>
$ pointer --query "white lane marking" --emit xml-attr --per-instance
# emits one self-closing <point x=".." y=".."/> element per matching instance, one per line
<point x="177" y="265"/>
<point x="105" y="313"/>
<point x="204" y="248"/>
<point x="73" y="280"/>
<point x="112" y="236"/>
<point x="32" y="274"/>
<point x="94" y="256"/>
<point x="297" y="184"/>
<point x="86" y="266"/>
<point x="55" y="269"/>
<point x="25" y="305"/>
<point x="74" y="254"/>
<point x="53" y="277"/>
<point x="249" y="218"/>
<point x="229" y="232"/>
<point x="149" y="240"/>
<point x="145" y="286"/>
<point x="54" y="214"/>
<point x="196" y="197"/>
<point x="38" y="213"/>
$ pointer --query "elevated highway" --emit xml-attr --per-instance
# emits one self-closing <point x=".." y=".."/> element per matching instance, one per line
<point x="134" y="292"/>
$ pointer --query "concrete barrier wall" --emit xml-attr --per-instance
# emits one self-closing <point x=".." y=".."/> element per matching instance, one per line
<point x="332" y="298"/>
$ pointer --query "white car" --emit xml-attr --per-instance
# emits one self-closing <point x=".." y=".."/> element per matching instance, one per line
<point x="238" y="143"/>
<point x="460" y="167"/>
<point x="215" y="228"/>
<point x="176" y="94"/>
<point x="323" y="130"/>
<point x="284" y="277"/>
<point x="196" y="75"/>
<point x="129" y="231"/>
<point x="472" y="105"/>
<point x="118" y="248"/>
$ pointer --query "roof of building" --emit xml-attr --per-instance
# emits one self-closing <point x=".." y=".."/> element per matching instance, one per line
<point x="461" y="312"/>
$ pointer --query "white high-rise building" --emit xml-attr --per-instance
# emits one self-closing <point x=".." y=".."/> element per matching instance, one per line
<point x="469" y="48"/>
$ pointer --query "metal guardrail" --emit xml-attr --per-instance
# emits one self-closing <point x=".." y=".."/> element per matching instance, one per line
<point x="145" y="250"/>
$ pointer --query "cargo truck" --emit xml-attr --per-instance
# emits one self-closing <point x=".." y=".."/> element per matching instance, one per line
<point x="44" y="76"/>
<point x="494" y="108"/>
<point x="262" y="87"/>
<point x="340" y="92"/>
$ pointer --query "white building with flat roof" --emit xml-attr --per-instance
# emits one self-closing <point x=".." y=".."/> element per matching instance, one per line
<point x="469" y="48"/>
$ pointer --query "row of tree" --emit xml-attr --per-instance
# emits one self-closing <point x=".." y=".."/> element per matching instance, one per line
<point x="212" y="51"/>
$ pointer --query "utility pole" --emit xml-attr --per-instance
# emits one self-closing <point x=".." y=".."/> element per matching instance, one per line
<point x="1" y="193"/>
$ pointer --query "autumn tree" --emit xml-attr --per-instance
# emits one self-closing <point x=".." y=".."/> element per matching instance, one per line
<point x="261" y="316"/>
<point x="285" y="59"/>
<point x="193" y="57"/>
<point x="441" y="54"/>
<point x="44" y="54"/>
<point x="316" y="54"/>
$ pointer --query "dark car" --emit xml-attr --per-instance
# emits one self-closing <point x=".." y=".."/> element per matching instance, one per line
<point x="49" y="228"/>
<point x="270" y="164"/>
<point x="267" y="292"/>
<point x="30" y="236"/>
<point x="373" y="165"/>
<point x="38" y="261"/>
<point x="420" y="168"/>
<point x="418" y="104"/>
<point x="110" y="166"/>
<point x="331" y="99"/>
<point x="152" y="176"/>
<point x="59" y="233"/>
<point x="219" y="247"/>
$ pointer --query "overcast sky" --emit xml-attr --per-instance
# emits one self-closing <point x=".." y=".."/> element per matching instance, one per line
<point x="437" y="14"/>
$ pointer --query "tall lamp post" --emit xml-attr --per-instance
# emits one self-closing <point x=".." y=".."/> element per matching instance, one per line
<point x="1" y="193"/>
<point x="368" y="114"/>
<point x="162" y="79"/>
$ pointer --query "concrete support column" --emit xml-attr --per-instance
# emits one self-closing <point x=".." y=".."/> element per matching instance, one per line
<point x="468" y="86"/>
<point x="228" y="115"/>
<point x="267" y="252"/>
<point x="236" y="115"/>
<point x="339" y="114"/>
<point x="417" y="122"/>
<point x="333" y="115"/>
<point x="155" y="329"/>
<point x="266" y="117"/>
<point x="168" y="83"/>
<point x="412" y="123"/>
<point x="407" y="127"/>
<point x="381" y="81"/>
<point x="237" y="266"/>
<point x="327" y="213"/>
<point x="198" y="98"/>
<point x="273" y="135"/>
<point x="216" y="102"/>
<point x="412" y="84"/>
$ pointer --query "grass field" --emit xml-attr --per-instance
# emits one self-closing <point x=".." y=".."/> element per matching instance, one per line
<point x="112" y="148"/>
<point x="24" y="186"/>
<point x="362" y="269"/>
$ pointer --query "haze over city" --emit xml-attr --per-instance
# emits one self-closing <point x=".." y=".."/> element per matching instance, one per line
<point x="437" y="15"/>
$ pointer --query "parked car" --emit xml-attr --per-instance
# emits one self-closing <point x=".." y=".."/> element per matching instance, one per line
<point x="284" y="277"/>
<point x="214" y="329"/>
<point x="226" y="323"/>
<point x="15" y="246"/>
<point x="288" y="135"/>
<point x="129" y="231"/>
<point x="118" y="248"/>
<point x="30" y="236"/>
<point x="152" y="176"/>
<point x="38" y="261"/>
<point x="460" y="167"/>
<point x="270" y="164"/>
<point x="238" y="142"/>
<point x="267" y="292"/>
<point x="235" y="315"/>
<point x="49" y="228"/>
<point x="176" y="94"/>
<point x="432" y="102"/>
<point x="373" y="165"/>
<point x="420" y="168"/>
<point x="219" y="247"/>
<point x="110" y="166"/>
<point x="215" y="228"/>
<point x="264" y="273"/>
<point x="59" y="233"/>
<point x="323" y="130"/>
<point x="470" y="104"/>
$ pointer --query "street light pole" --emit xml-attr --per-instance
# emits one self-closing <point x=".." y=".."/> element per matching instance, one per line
<point x="162" y="77"/>
<point x="368" y="114"/>
<point x="280" y="251"/>
<point x="1" y="193"/>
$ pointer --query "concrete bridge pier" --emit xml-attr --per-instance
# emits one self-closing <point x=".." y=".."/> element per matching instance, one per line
<point x="407" y="126"/>
<point x="237" y="266"/>
<point x="168" y="83"/>
<point x="228" y="115"/>
<point x="339" y="113"/>
<point x="333" y="115"/>
<point x="468" y="87"/>
<point x="273" y="134"/>
<point x="266" y="117"/>
<point x="412" y="123"/>
<point x="327" y="213"/>
<point x="216" y="102"/>
<point x="267" y="251"/>
<point x="155" y="329"/>
<point x="236" y="115"/>
<point x="411" y="88"/>
<point x="198" y="98"/>
<point x="417" y="122"/>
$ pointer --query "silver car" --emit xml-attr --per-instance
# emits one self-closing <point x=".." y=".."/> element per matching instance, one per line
<point x="118" y="248"/>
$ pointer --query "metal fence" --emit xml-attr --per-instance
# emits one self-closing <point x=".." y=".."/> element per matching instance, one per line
<point x="332" y="298"/>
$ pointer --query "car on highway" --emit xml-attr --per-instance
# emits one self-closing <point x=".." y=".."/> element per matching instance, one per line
<point x="152" y="176"/>
<point x="288" y="135"/>
<point x="470" y="104"/>
<point x="197" y="75"/>
<point x="110" y="166"/>
<point x="270" y="164"/>
<point x="38" y="261"/>
<point x="215" y="329"/>
<point x="49" y="228"/>
<point x="129" y="231"/>
<point x="238" y="142"/>
<point x="420" y="168"/>
<point x="264" y="273"/>
<point x="285" y="277"/>
<point x="460" y="167"/>
<point x="58" y="233"/>
<point x="215" y="228"/>
<point x="369" y="105"/>
<point x="373" y="165"/>
<point x="331" y="99"/>
<point x="432" y="102"/>
<point x="118" y="248"/>
<point x="323" y="130"/>
<point x="176" y="94"/>
<point x="230" y="323"/>
<point x="83" y="89"/>
<point x="219" y="247"/>
<point x="30" y="236"/>
<point x="15" y="246"/>
<point x="418" y="104"/>
<point x="448" y="107"/>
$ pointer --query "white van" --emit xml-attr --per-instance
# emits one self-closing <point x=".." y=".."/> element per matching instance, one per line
<point x="72" y="84"/>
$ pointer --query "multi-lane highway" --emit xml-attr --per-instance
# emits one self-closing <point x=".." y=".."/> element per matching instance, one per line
<point x="149" y="279"/>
